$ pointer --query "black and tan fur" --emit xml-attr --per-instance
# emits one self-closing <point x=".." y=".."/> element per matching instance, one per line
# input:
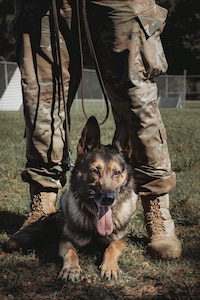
<point x="99" y="203"/>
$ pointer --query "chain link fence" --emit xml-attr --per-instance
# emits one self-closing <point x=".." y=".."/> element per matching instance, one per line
<point x="169" y="86"/>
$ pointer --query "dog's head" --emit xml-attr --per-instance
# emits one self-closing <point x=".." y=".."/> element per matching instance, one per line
<point x="101" y="172"/>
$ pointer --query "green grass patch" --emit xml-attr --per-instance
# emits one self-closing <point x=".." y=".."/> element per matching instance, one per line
<point x="30" y="276"/>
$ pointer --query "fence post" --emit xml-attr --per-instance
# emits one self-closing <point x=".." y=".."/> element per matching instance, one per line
<point x="5" y="71"/>
<point x="184" y="85"/>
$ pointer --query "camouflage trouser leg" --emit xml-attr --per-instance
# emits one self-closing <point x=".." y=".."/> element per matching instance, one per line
<point x="44" y="108"/>
<point x="127" y="44"/>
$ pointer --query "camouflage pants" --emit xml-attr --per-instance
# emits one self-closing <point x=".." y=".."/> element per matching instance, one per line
<point x="44" y="108"/>
<point x="126" y="39"/>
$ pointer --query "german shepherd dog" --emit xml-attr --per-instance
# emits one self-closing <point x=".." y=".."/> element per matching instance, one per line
<point x="100" y="201"/>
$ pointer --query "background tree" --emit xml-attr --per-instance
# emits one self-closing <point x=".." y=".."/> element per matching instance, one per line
<point x="7" y="42"/>
<point x="181" y="36"/>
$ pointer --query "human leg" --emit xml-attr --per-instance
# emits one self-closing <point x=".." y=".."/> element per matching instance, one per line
<point x="130" y="54"/>
<point x="44" y="109"/>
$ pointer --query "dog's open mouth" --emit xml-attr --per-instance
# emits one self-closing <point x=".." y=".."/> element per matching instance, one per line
<point x="104" y="220"/>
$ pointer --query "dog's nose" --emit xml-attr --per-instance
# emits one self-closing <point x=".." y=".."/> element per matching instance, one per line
<point x="107" y="198"/>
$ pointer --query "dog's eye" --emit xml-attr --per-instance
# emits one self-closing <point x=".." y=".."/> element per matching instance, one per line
<point x="94" y="170"/>
<point x="116" y="173"/>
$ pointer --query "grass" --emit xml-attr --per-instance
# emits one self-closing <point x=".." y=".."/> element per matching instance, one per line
<point x="33" y="275"/>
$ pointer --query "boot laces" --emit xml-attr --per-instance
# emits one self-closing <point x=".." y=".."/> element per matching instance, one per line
<point x="154" y="218"/>
<point x="37" y="210"/>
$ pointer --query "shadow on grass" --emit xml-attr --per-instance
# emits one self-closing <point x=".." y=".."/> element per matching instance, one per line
<point x="139" y="241"/>
<point x="10" y="222"/>
<point x="42" y="237"/>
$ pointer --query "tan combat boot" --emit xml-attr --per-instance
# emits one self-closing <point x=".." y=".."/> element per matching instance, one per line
<point x="160" y="228"/>
<point x="42" y="205"/>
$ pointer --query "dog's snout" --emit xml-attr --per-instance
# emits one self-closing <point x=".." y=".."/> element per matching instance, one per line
<point x="107" y="198"/>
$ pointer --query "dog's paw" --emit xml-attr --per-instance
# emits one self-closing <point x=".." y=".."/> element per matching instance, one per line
<point x="70" y="272"/>
<point x="110" y="271"/>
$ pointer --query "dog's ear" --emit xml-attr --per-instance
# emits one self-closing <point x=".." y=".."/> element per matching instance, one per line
<point x="121" y="139"/>
<point x="90" y="138"/>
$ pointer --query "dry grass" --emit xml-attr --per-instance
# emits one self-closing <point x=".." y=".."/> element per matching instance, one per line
<point x="33" y="275"/>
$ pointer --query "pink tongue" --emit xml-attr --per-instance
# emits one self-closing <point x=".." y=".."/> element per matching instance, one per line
<point x="104" y="222"/>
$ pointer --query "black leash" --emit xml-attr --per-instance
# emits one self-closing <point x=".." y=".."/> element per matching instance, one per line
<point x="81" y="57"/>
<point x="60" y="79"/>
<point x="92" y="51"/>
<point x="59" y="65"/>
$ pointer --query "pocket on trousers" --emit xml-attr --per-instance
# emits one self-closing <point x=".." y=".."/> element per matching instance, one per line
<point x="152" y="57"/>
<point x="153" y="20"/>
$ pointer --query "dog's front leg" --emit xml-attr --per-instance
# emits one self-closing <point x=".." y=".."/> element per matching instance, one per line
<point x="109" y="267"/>
<point x="71" y="268"/>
